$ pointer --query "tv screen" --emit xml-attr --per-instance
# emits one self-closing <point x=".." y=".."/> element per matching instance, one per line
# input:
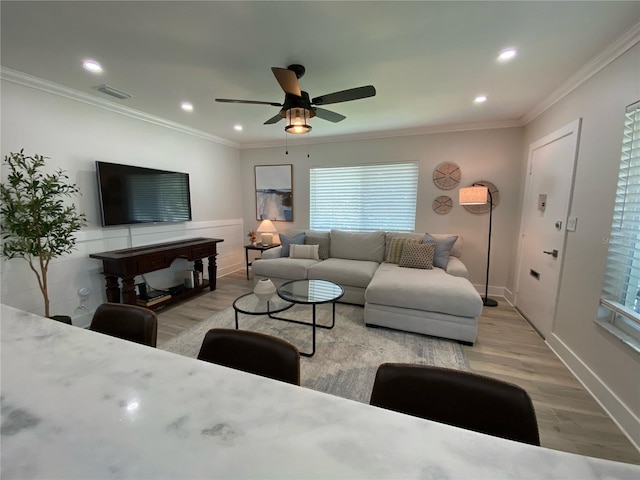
<point x="130" y="195"/>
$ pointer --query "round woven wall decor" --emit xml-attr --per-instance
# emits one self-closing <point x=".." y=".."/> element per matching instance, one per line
<point x="485" y="208"/>
<point x="447" y="175"/>
<point x="442" y="204"/>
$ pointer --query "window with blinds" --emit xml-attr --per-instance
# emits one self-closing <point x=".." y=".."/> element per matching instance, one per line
<point x="620" y="301"/>
<point x="364" y="197"/>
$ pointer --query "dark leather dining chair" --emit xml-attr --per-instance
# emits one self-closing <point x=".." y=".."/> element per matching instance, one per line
<point x="458" y="398"/>
<point x="252" y="352"/>
<point x="129" y="322"/>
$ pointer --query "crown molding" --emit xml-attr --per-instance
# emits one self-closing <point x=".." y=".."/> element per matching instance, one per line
<point x="407" y="132"/>
<point x="616" y="49"/>
<point x="37" y="83"/>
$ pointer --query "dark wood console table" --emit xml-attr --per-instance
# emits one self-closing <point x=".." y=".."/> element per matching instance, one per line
<point x="126" y="264"/>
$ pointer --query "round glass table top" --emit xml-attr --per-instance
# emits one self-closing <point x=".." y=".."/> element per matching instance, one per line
<point x="252" y="305"/>
<point x="310" y="291"/>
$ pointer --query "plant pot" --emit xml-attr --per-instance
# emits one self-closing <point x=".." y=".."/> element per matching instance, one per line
<point x="264" y="289"/>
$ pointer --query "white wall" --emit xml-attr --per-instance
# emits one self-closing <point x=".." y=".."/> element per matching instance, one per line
<point x="493" y="154"/>
<point x="609" y="369"/>
<point x="74" y="134"/>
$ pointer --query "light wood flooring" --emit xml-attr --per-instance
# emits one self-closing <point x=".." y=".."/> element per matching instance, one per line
<point x="507" y="347"/>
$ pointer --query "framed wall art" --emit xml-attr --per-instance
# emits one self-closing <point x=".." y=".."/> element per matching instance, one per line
<point x="274" y="192"/>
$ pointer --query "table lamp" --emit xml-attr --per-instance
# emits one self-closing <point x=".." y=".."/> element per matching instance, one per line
<point x="267" y="229"/>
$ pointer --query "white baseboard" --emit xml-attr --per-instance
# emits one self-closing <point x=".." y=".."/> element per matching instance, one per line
<point x="628" y="422"/>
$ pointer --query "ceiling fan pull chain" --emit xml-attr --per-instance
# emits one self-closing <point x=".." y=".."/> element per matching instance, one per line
<point x="286" y="144"/>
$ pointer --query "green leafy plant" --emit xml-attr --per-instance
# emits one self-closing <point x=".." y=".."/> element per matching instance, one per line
<point x="37" y="223"/>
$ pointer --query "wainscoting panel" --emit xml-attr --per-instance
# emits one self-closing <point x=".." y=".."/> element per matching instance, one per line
<point x="67" y="274"/>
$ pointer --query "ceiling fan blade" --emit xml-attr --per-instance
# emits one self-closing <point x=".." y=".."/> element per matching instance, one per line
<point x="328" y="115"/>
<point x="287" y="80"/>
<point x="345" y="95"/>
<point x="252" y="102"/>
<point x="274" y="119"/>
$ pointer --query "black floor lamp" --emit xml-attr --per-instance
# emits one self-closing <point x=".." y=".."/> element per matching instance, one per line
<point x="479" y="194"/>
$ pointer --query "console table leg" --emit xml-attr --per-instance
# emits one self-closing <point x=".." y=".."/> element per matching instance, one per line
<point x="113" y="289"/>
<point x="213" y="272"/>
<point x="129" y="290"/>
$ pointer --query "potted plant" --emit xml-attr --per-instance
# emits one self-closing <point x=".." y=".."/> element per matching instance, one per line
<point x="36" y="220"/>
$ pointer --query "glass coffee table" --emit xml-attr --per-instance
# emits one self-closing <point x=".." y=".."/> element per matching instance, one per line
<point x="306" y="292"/>
<point x="311" y="292"/>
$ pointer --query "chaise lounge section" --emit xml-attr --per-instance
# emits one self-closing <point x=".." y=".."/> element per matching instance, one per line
<point x="438" y="301"/>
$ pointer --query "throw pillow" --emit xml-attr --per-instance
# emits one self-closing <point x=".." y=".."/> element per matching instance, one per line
<point x="417" y="255"/>
<point x="322" y="242"/>
<point x="394" y="251"/>
<point x="286" y="241"/>
<point x="443" y="249"/>
<point x="304" y="251"/>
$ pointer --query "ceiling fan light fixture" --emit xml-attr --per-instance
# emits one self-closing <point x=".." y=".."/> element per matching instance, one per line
<point x="298" y="120"/>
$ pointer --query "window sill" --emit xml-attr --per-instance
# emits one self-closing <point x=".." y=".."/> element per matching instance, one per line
<point x="619" y="334"/>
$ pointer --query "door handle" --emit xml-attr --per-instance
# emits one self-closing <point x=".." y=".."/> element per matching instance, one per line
<point x="553" y="253"/>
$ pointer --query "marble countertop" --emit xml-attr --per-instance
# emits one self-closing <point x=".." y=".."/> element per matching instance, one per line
<point x="80" y="405"/>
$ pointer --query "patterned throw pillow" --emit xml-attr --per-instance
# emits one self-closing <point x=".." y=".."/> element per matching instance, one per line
<point x="322" y="242"/>
<point x="285" y="241"/>
<point x="443" y="249"/>
<point x="394" y="252"/>
<point x="304" y="251"/>
<point x="418" y="255"/>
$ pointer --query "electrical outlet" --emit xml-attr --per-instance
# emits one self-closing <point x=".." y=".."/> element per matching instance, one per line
<point x="572" y="222"/>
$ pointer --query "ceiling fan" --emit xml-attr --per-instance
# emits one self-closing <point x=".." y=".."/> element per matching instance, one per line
<point x="297" y="108"/>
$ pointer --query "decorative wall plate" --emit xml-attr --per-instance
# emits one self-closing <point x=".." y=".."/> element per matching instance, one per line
<point x="442" y="204"/>
<point x="485" y="208"/>
<point x="447" y="175"/>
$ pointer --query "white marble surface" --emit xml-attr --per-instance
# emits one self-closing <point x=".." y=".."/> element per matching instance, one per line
<point x="77" y="404"/>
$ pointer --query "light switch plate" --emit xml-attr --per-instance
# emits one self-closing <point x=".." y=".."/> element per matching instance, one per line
<point x="572" y="222"/>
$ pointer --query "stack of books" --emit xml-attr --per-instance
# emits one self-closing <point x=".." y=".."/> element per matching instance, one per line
<point x="152" y="297"/>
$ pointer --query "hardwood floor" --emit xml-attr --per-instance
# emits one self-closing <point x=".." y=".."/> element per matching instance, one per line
<point x="569" y="419"/>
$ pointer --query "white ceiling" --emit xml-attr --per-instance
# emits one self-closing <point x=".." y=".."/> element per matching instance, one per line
<point x="427" y="60"/>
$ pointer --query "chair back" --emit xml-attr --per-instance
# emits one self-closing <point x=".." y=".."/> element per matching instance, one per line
<point x="458" y="398"/>
<point x="252" y="352"/>
<point x="129" y="322"/>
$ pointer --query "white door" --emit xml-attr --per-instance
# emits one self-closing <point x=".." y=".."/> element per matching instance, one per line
<point x="545" y="213"/>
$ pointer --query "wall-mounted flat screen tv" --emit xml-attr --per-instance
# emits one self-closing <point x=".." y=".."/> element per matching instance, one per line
<point x="130" y="195"/>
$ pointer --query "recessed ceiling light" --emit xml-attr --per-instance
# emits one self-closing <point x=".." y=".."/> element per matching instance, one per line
<point x="480" y="99"/>
<point x="186" y="106"/>
<point x="92" y="66"/>
<point x="507" y="54"/>
<point x="237" y="127"/>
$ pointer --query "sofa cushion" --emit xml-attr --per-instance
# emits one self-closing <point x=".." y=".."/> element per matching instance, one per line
<point x="289" y="268"/>
<point x="321" y="239"/>
<point x="369" y="246"/>
<point x="304" y="251"/>
<point x="417" y="255"/>
<point x="394" y="248"/>
<point x="354" y="273"/>
<point x="456" y="251"/>
<point x="429" y="290"/>
<point x="443" y="248"/>
<point x="286" y="240"/>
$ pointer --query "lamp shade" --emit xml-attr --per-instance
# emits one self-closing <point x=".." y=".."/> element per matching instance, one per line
<point x="298" y="120"/>
<point x="266" y="226"/>
<point x="477" y="195"/>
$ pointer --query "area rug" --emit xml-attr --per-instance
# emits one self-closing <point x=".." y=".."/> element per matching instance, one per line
<point x="346" y="357"/>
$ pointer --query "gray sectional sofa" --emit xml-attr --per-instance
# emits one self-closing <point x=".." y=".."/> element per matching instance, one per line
<point x="439" y="301"/>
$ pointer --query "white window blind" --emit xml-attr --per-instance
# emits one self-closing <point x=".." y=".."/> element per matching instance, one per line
<point x="620" y="302"/>
<point x="364" y="197"/>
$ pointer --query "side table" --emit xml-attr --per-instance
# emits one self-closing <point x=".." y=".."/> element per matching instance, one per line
<point x="258" y="247"/>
